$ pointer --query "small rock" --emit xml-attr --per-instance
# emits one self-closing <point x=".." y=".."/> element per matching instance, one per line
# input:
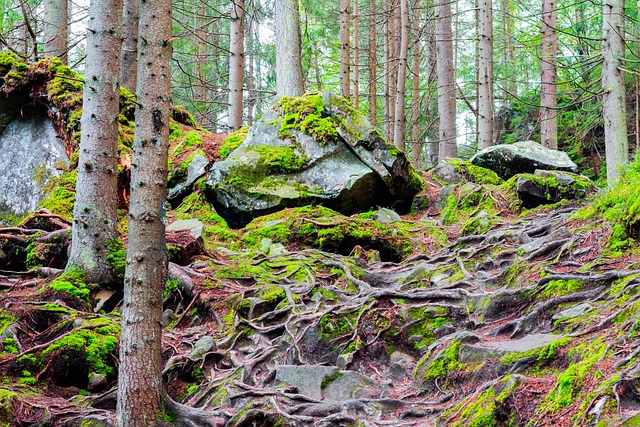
<point x="443" y="195"/>
<point x="308" y="378"/>
<point x="446" y="172"/>
<point x="195" y="227"/>
<point x="97" y="382"/>
<point x="444" y="330"/>
<point x="167" y="316"/>
<point x="202" y="346"/>
<point x="387" y="216"/>
<point x="572" y="312"/>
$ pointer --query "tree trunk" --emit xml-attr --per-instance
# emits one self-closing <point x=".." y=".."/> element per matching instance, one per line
<point x="548" y="81"/>
<point x="485" y="74"/>
<point x="386" y="70"/>
<point x="129" y="65"/>
<point x="356" y="55"/>
<point x="140" y="390"/>
<point x="345" y="61"/>
<point x="399" y="115"/>
<point x="373" y="65"/>
<point x="613" y="99"/>
<point x="508" y="54"/>
<point x="446" y="83"/>
<point x="415" y="95"/>
<point x="251" y="86"/>
<point x="56" y="29"/>
<point x="95" y="215"/>
<point x="236" y="65"/>
<point x="289" y="81"/>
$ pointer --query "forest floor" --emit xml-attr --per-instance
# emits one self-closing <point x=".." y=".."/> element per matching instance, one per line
<point x="308" y="317"/>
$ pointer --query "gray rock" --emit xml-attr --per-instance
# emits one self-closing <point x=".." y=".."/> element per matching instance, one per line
<point x="486" y="350"/>
<point x="444" y="330"/>
<point x="31" y="152"/>
<point x="104" y="298"/>
<point x="96" y="420"/>
<point x="572" y="312"/>
<point x="508" y="160"/>
<point x="348" y="385"/>
<point x="387" y="216"/>
<point x="196" y="168"/>
<point x="547" y="187"/>
<point x="195" y="227"/>
<point x="97" y="382"/>
<point x="307" y="378"/>
<point x="346" y="175"/>
<point x="443" y="195"/>
<point x="167" y="317"/>
<point x="202" y="346"/>
<point x="446" y="172"/>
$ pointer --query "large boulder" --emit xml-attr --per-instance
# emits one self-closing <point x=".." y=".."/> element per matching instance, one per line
<point x="30" y="153"/>
<point x="312" y="149"/>
<point x="522" y="157"/>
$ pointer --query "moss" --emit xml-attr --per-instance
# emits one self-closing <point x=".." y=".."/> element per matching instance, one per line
<point x="71" y="282"/>
<point x="562" y="287"/>
<point x="98" y="345"/>
<point x="326" y="381"/>
<point x="232" y="141"/>
<point x="307" y="115"/>
<point x="7" y="398"/>
<point x="59" y="194"/>
<point x="475" y="174"/>
<point x="543" y="355"/>
<point x="280" y="159"/>
<point x="273" y="294"/>
<point x="116" y="258"/>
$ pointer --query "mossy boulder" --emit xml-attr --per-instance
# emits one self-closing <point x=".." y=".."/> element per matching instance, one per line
<point x="312" y="149"/>
<point x="508" y="160"/>
<point x="549" y="187"/>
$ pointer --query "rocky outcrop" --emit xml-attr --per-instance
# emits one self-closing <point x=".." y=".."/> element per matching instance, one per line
<point x="30" y="153"/>
<point x="306" y="150"/>
<point x="522" y="157"/>
<point x="548" y="187"/>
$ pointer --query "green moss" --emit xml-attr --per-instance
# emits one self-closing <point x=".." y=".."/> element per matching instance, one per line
<point x="326" y="381"/>
<point x="98" y="345"/>
<point x="71" y="282"/>
<point x="116" y="259"/>
<point x="307" y="115"/>
<point x="445" y="362"/>
<point x="476" y="174"/>
<point x="7" y="398"/>
<point x="59" y="194"/>
<point x="232" y="142"/>
<point x="562" y="287"/>
<point x="281" y="159"/>
<point x="543" y="355"/>
<point x="272" y="294"/>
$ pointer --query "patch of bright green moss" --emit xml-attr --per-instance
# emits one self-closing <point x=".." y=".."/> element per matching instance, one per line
<point x="476" y="174"/>
<point x="59" y="194"/>
<point x="232" y="142"/>
<point x="71" y="282"/>
<point x="445" y="362"/>
<point x="116" y="259"/>
<point x="280" y="159"/>
<point x="307" y="115"/>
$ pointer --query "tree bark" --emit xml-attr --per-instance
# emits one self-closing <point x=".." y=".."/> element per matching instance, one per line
<point x="56" y="29"/>
<point x="289" y="81"/>
<point x="95" y="215"/>
<point x="548" y="81"/>
<point x="446" y="83"/>
<point x="345" y="49"/>
<point x="356" y="55"/>
<point x="485" y="74"/>
<point x="251" y="86"/>
<point x="415" y="95"/>
<point x="399" y="115"/>
<point x="129" y="65"/>
<point x="613" y="99"/>
<point x="373" y="65"/>
<point x="236" y="65"/>
<point x="140" y="390"/>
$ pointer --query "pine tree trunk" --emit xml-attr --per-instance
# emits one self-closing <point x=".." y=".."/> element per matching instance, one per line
<point x="356" y="55"/>
<point x="140" y="389"/>
<point x="399" y="115"/>
<point x="613" y="98"/>
<point x="251" y="86"/>
<point x="485" y="74"/>
<point x="56" y="29"/>
<point x="345" y="49"/>
<point x="446" y="83"/>
<point x="95" y="216"/>
<point x="236" y="65"/>
<point x="289" y="80"/>
<point x="199" y="64"/>
<point x="373" y="65"/>
<point x="129" y="65"/>
<point x="548" y="81"/>
<point x="415" y="95"/>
